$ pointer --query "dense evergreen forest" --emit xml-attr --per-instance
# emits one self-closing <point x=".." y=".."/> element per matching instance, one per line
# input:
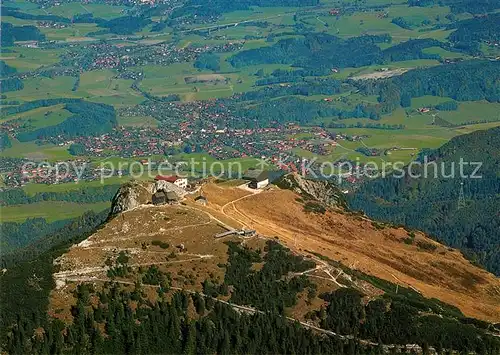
<point x="18" y="235"/>
<point x="465" y="81"/>
<point x="395" y="319"/>
<point x="31" y="105"/>
<point x="471" y="32"/>
<point x="210" y="61"/>
<point x="412" y="49"/>
<point x="4" y="141"/>
<point x="322" y="52"/>
<point x="316" y="50"/>
<point x="166" y="328"/>
<point x="287" y="76"/>
<point x="25" y="287"/>
<point x="272" y="113"/>
<point x="27" y="240"/>
<point x="306" y="87"/>
<point x="82" y="195"/>
<point x="431" y="204"/>
<point x="6" y="70"/>
<point x="266" y="289"/>
<point x="11" y="33"/>
<point x="125" y="25"/>
<point x="11" y="84"/>
<point x="221" y="6"/>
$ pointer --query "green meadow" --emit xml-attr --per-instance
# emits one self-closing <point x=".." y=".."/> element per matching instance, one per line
<point x="73" y="32"/>
<point x="419" y="132"/>
<point x="137" y="121"/>
<point x="473" y="111"/>
<point x="38" y="88"/>
<point x="103" y="86"/>
<point x="32" y="189"/>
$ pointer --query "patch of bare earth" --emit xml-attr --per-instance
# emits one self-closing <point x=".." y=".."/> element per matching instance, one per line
<point x="381" y="74"/>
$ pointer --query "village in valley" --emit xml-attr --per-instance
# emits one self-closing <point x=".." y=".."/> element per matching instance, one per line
<point x="162" y="84"/>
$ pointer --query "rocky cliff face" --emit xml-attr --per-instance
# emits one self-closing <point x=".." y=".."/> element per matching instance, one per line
<point x="136" y="193"/>
<point x="131" y="195"/>
<point x="320" y="190"/>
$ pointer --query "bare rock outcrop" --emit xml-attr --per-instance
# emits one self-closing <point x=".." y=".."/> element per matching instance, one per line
<point x="131" y="195"/>
<point x="136" y="193"/>
<point x="320" y="190"/>
<point x="166" y="186"/>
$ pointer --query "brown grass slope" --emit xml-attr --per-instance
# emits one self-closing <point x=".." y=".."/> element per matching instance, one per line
<point x="360" y="243"/>
<point x="351" y="239"/>
<point x="139" y="233"/>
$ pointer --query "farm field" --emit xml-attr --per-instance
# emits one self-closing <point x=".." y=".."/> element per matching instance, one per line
<point x="137" y="121"/>
<point x="473" y="111"/>
<point x="45" y="88"/>
<point x="74" y="32"/>
<point x="26" y="59"/>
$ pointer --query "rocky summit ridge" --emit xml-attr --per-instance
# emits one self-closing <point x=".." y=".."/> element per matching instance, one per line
<point x="136" y="193"/>
<point x="320" y="190"/>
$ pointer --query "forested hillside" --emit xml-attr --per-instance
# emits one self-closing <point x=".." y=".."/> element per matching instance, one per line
<point x="11" y="33"/>
<point x="316" y="50"/>
<point x="233" y="5"/>
<point x="11" y="84"/>
<point x="88" y="119"/>
<point x="460" y="6"/>
<point x="471" y="32"/>
<point x="431" y="204"/>
<point x="16" y="236"/>
<point x="464" y="81"/>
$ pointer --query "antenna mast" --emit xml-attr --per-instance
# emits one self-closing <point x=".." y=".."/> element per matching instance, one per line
<point x="461" y="197"/>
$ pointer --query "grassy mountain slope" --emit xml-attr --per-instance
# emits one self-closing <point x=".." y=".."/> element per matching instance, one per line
<point x="160" y="270"/>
